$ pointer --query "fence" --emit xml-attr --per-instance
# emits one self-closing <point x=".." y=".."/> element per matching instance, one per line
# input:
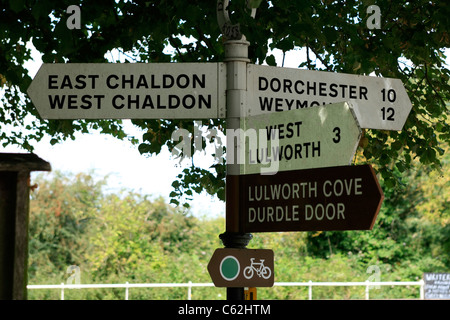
<point x="368" y="285"/>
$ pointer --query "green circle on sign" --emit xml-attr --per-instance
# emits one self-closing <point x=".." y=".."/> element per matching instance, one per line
<point x="229" y="268"/>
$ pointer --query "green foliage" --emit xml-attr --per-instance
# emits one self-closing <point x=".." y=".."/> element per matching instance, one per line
<point x="60" y="215"/>
<point x="409" y="45"/>
<point x="113" y="237"/>
<point x="412" y="228"/>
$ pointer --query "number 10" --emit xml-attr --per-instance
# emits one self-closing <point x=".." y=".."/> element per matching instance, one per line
<point x="391" y="95"/>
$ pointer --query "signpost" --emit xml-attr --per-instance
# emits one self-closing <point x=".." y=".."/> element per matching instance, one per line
<point x="308" y="184"/>
<point x="379" y="103"/>
<point x="324" y="199"/>
<point x="242" y="267"/>
<point x="300" y="139"/>
<point x="129" y="91"/>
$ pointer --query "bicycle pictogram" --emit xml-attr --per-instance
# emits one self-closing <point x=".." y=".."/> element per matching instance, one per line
<point x="258" y="267"/>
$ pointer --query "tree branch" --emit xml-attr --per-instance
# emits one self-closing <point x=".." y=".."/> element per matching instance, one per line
<point x="431" y="85"/>
<point x="321" y="59"/>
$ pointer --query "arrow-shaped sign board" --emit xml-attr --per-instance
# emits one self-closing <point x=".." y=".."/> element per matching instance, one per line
<point x="130" y="91"/>
<point x="324" y="199"/>
<point x="242" y="268"/>
<point x="299" y="139"/>
<point x="379" y="103"/>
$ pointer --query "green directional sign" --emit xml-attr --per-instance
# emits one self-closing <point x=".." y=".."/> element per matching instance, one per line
<point x="299" y="139"/>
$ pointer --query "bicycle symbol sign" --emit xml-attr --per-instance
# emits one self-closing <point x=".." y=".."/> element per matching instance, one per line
<point x="242" y="268"/>
<point x="258" y="267"/>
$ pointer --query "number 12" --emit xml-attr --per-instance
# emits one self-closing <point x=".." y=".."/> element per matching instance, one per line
<point x="388" y="114"/>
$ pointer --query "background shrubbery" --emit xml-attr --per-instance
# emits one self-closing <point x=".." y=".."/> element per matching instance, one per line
<point x="124" y="236"/>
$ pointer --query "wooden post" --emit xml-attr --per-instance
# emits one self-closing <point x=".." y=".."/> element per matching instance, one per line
<point x="15" y="171"/>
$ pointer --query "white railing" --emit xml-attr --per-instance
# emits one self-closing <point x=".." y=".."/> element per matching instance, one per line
<point x="368" y="284"/>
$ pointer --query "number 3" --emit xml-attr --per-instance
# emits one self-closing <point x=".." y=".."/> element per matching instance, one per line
<point x="337" y="131"/>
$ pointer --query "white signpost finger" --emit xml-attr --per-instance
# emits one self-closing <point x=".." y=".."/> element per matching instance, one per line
<point x="299" y="139"/>
<point x="130" y="91"/>
<point x="379" y="103"/>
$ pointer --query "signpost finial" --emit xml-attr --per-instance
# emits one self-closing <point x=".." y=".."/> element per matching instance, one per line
<point x="232" y="31"/>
